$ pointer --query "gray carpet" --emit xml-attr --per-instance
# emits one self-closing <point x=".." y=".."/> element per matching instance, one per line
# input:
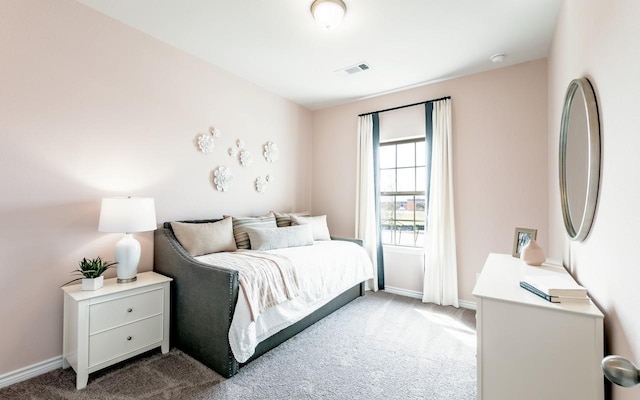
<point x="380" y="346"/>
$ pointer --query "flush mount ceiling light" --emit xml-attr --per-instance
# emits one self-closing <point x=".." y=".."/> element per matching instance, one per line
<point x="328" y="13"/>
<point x="498" y="58"/>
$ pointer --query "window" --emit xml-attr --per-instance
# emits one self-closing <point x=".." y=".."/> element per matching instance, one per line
<point x="403" y="177"/>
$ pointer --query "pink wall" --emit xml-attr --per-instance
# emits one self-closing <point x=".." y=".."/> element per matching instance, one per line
<point x="91" y="108"/>
<point x="500" y="159"/>
<point x="599" y="40"/>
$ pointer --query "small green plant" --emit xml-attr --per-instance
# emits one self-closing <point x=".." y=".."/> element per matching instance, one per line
<point x="90" y="269"/>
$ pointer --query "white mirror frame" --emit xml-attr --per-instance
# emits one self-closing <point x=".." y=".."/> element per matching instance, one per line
<point x="578" y="227"/>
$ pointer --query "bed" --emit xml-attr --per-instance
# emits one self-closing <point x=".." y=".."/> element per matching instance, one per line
<point x="205" y="296"/>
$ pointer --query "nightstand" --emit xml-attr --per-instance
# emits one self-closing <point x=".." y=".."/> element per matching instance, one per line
<point x="109" y="325"/>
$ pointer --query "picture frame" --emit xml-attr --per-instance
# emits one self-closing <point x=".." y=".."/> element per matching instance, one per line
<point x="521" y="238"/>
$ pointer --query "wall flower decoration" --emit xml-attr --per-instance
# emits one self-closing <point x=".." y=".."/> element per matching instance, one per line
<point x="261" y="184"/>
<point x="222" y="179"/>
<point x="205" y="143"/>
<point x="271" y="152"/>
<point x="245" y="158"/>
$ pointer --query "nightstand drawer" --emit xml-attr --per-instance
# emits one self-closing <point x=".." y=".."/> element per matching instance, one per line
<point x="110" y="314"/>
<point x="119" y="341"/>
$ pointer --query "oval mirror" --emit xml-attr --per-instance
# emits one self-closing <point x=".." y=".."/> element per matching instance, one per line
<point x="579" y="158"/>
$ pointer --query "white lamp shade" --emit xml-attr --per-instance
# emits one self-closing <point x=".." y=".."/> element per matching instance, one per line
<point x="328" y="13"/>
<point x="127" y="214"/>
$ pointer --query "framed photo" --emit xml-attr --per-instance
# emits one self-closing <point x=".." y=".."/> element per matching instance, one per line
<point x="521" y="238"/>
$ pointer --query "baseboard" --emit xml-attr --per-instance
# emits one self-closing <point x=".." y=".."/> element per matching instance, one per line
<point x="418" y="295"/>
<point x="403" y="292"/>
<point x="471" y="305"/>
<point x="30" y="371"/>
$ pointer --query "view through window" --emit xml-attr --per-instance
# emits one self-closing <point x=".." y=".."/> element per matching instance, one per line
<point x="402" y="192"/>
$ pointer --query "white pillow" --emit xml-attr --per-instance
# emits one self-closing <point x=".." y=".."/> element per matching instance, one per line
<point x="212" y="237"/>
<point x="278" y="238"/>
<point x="318" y="224"/>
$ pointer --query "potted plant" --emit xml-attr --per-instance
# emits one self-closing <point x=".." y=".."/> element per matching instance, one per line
<point x="91" y="271"/>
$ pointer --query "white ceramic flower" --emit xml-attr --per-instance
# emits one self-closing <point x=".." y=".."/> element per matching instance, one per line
<point x="215" y="132"/>
<point x="245" y="158"/>
<point x="240" y="143"/>
<point x="222" y="178"/>
<point x="233" y="151"/>
<point x="271" y="152"/>
<point x="261" y="184"/>
<point x="205" y="143"/>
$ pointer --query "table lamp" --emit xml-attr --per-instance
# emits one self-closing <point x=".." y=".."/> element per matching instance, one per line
<point x="127" y="215"/>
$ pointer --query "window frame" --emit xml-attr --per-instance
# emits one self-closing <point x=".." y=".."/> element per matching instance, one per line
<point x="395" y="194"/>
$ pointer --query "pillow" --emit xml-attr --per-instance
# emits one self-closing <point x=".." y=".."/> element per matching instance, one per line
<point x="284" y="219"/>
<point x="318" y="224"/>
<point x="212" y="237"/>
<point x="241" y="224"/>
<point x="277" y="238"/>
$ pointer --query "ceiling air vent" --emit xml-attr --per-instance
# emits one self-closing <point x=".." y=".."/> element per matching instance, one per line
<point x="353" y="69"/>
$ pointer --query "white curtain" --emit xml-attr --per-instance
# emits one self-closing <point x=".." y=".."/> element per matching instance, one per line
<point x="365" y="195"/>
<point x="441" y="268"/>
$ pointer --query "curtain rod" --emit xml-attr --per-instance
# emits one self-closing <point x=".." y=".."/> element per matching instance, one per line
<point x="405" y="106"/>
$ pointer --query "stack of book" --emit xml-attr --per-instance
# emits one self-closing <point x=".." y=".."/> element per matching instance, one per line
<point x="556" y="289"/>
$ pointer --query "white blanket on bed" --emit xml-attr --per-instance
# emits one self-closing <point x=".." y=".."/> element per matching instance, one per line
<point x="266" y="279"/>
<point x="323" y="271"/>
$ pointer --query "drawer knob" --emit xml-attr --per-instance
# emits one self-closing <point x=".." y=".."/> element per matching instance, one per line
<point x="129" y="309"/>
<point x="129" y="338"/>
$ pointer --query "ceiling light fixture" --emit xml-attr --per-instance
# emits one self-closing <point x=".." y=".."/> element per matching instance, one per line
<point x="498" y="58"/>
<point x="328" y="13"/>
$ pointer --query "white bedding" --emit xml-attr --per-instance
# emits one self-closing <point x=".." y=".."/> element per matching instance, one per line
<point x="324" y="270"/>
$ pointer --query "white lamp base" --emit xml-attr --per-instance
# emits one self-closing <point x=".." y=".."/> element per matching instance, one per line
<point x="127" y="254"/>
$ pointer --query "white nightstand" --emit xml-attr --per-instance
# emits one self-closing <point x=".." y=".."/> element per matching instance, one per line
<point x="108" y="325"/>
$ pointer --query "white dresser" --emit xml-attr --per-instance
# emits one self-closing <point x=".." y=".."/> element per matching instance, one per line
<point x="529" y="348"/>
<point x="108" y="325"/>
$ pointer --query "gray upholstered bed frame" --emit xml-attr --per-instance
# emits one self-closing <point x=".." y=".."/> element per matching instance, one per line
<point x="203" y="299"/>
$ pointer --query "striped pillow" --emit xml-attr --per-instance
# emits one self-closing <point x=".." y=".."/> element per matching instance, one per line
<point x="241" y="224"/>
<point x="284" y="219"/>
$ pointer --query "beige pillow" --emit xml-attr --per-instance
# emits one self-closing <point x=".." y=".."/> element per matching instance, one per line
<point x="284" y="219"/>
<point x="319" y="227"/>
<point x="211" y="237"/>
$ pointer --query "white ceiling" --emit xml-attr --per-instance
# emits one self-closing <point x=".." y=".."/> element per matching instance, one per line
<point x="277" y="45"/>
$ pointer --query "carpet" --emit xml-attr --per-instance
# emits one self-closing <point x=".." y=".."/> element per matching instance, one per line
<point x="380" y="346"/>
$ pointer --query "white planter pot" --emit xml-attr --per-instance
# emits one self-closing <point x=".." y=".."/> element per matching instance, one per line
<point x="92" y="284"/>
